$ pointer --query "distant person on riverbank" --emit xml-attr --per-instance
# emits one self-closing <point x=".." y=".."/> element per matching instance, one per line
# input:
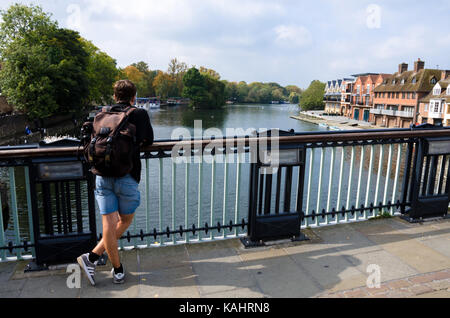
<point x="118" y="198"/>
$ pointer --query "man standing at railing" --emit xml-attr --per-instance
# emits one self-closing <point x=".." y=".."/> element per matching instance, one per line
<point x="118" y="198"/>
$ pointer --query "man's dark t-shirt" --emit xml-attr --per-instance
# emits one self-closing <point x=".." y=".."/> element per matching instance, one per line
<point x="144" y="134"/>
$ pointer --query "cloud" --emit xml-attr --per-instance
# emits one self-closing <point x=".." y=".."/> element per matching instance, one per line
<point x="286" y="41"/>
<point x="292" y="36"/>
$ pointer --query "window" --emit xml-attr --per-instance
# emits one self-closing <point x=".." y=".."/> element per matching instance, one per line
<point x="414" y="80"/>
<point x="397" y="95"/>
<point x="437" y="91"/>
<point x="393" y="82"/>
<point x="414" y="95"/>
<point x="433" y="80"/>
<point x="403" y="81"/>
<point x="409" y="96"/>
<point x="409" y="110"/>
<point x="448" y="90"/>
<point x="403" y="95"/>
<point x="426" y="107"/>
<point x="436" y="106"/>
<point x="368" y="89"/>
<point x="358" y="89"/>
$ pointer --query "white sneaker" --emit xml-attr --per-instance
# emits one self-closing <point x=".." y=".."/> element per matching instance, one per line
<point x="88" y="267"/>
<point x="118" y="278"/>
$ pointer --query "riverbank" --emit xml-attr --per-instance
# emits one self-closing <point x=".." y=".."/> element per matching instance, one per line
<point x="12" y="128"/>
<point x="332" y="122"/>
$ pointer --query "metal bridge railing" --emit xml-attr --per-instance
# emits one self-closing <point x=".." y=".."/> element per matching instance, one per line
<point x="349" y="176"/>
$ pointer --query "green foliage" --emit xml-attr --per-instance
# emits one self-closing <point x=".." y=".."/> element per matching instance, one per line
<point x="203" y="89"/>
<point x="195" y="88"/>
<point x="102" y="73"/>
<point x="23" y="22"/>
<point x="259" y="92"/>
<point x="47" y="69"/>
<point x="294" y="98"/>
<point x="312" y="98"/>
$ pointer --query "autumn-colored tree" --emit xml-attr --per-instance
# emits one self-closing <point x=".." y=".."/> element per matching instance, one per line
<point x="209" y="72"/>
<point x="176" y="71"/>
<point x="163" y="84"/>
<point x="133" y="74"/>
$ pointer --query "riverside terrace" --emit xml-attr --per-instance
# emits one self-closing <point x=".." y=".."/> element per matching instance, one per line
<point x="406" y="173"/>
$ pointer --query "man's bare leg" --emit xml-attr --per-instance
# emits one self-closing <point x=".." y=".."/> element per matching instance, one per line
<point x="122" y="223"/>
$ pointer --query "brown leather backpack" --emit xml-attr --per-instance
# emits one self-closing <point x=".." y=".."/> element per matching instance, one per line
<point x="112" y="142"/>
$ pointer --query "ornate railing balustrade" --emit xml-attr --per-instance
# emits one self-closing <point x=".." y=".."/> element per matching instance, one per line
<point x="348" y="176"/>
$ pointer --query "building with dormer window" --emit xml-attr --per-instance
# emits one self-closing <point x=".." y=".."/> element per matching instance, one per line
<point x="434" y="107"/>
<point x="397" y="99"/>
<point x="333" y="96"/>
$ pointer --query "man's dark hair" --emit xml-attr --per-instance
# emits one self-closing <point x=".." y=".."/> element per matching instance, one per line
<point x="124" y="91"/>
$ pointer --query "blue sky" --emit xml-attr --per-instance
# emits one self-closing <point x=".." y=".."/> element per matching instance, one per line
<point x="286" y="41"/>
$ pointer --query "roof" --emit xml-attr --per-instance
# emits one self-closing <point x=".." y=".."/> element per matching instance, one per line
<point x="444" y="84"/>
<point x="364" y="74"/>
<point x="423" y="84"/>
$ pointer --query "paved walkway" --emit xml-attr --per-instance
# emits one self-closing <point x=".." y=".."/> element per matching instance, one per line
<point x="413" y="260"/>
<point x="341" y="122"/>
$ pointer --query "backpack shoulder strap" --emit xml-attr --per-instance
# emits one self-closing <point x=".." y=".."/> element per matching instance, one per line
<point x="129" y="110"/>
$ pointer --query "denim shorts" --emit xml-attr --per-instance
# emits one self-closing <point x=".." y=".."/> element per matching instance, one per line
<point x="117" y="195"/>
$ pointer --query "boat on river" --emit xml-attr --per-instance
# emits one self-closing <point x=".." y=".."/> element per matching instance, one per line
<point x="148" y="103"/>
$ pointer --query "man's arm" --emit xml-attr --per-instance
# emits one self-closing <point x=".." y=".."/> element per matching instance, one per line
<point x="145" y="134"/>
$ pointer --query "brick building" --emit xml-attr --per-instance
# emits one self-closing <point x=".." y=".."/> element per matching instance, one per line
<point x="396" y="101"/>
<point x="434" y="108"/>
<point x="361" y="101"/>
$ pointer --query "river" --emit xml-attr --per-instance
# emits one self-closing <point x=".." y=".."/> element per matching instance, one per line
<point x="165" y="122"/>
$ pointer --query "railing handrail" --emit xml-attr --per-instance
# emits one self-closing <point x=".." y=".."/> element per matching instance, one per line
<point x="303" y="137"/>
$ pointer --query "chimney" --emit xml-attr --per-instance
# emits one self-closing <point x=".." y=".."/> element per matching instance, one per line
<point x="445" y="75"/>
<point x="402" y="68"/>
<point x="419" y="65"/>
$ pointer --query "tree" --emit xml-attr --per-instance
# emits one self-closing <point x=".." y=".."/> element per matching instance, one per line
<point x="47" y="69"/>
<point x="133" y="74"/>
<point x="177" y="70"/>
<point x="44" y="68"/>
<point x="163" y="84"/>
<point x="294" y="98"/>
<point x="195" y="88"/>
<point x="293" y="89"/>
<point x="102" y="73"/>
<point x="312" y="98"/>
<point x="210" y="72"/>
<point x="141" y="66"/>
<point x="21" y="21"/>
<point x="278" y="94"/>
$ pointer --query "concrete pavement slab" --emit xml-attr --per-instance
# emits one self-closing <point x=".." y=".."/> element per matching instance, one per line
<point x="439" y="244"/>
<point x="218" y="268"/>
<point x="348" y="237"/>
<point x="161" y="258"/>
<point x="278" y="275"/>
<point x="176" y="282"/>
<point x="406" y="247"/>
<point x="48" y="287"/>
<point x="391" y="267"/>
<point x="331" y="270"/>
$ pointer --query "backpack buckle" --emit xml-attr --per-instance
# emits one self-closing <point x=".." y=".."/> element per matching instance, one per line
<point x="105" y="131"/>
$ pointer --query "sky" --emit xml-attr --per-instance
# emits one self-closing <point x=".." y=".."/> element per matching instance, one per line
<point x="286" y="41"/>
